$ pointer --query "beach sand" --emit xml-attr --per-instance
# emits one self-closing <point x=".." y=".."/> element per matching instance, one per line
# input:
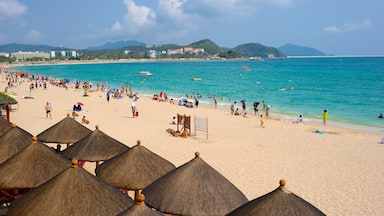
<point x="340" y="172"/>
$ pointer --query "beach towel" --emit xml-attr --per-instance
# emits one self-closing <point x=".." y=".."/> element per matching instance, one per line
<point x="320" y="132"/>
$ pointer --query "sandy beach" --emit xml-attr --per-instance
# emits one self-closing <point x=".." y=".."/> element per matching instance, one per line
<point x="340" y="172"/>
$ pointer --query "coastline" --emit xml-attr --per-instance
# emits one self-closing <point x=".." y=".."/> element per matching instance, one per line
<point x="340" y="172"/>
<point x="342" y="123"/>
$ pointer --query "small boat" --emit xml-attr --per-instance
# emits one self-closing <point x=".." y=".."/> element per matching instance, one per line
<point x="145" y="73"/>
<point x="196" y="78"/>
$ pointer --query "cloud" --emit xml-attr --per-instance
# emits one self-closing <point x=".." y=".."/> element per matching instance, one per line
<point x="138" y="18"/>
<point x="366" y="23"/>
<point x="10" y="9"/>
<point x="33" y="36"/>
<point x="171" y="19"/>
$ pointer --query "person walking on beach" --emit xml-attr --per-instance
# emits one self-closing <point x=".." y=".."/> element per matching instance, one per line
<point x="244" y="107"/>
<point x="48" y="110"/>
<point x="262" y="121"/>
<point x="325" y="117"/>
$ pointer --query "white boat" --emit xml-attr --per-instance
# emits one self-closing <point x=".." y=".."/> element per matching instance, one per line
<point x="145" y="73"/>
<point x="196" y="78"/>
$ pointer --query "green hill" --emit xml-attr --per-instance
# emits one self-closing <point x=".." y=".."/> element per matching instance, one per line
<point x="258" y="50"/>
<point x="294" y="50"/>
<point x="209" y="46"/>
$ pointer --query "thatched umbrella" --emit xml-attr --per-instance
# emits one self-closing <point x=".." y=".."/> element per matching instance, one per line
<point x="7" y="101"/>
<point x="95" y="147"/>
<point x="67" y="131"/>
<point x="4" y="125"/>
<point x="278" y="202"/>
<point x="134" y="169"/>
<point x="72" y="192"/>
<point x="13" y="141"/>
<point x="31" y="167"/>
<point x="140" y="209"/>
<point x="194" y="188"/>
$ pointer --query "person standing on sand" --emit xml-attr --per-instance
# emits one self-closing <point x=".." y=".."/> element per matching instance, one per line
<point x="48" y="110"/>
<point x="325" y="117"/>
<point x="232" y="107"/>
<point x="215" y="101"/>
<point x="261" y="121"/>
<point x="134" y="110"/>
<point x="108" y="96"/>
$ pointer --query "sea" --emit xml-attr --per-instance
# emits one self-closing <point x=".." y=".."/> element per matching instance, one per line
<point x="351" y="89"/>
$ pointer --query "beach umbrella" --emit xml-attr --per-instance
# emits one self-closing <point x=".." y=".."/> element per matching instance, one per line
<point x="4" y="125"/>
<point x="134" y="169"/>
<point x="66" y="131"/>
<point x="7" y="101"/>
<point x="31" y="167"/>
<point x="73" y="192"/>
<point x="13" y="141"/>
<point x="140" y="209"/>
<point x="95" y="147"/>
<point x="194" y="188"/>
<point x="279" y="202"/>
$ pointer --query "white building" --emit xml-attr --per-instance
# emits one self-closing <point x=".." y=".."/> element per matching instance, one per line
<point x="22" y="56"/>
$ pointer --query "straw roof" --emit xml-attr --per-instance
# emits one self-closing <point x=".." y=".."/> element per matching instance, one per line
<point x="194" y="188"/>
<point x="140" y="209"/>
<point x="73" y="192"/>
<point x="6" y="99"/>
<point x="4" y="125"/>
<point x="31" y="167"/>
<point x="66" y="131"/>
<point x="279" y="202"/>
<point x="96" y="146"/>
<point x="134" y="169"/>
<point x="13" y="141"/>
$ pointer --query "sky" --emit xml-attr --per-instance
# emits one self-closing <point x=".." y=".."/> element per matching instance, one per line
<point x="339" y="27"/>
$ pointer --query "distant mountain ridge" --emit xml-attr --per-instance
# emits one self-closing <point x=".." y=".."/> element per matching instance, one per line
<point x="258" y="50"/>
<point x="14" y="47"/>
<point x="211" y="48"/>
<point x="117" y="45"/>
<point x="295" y="50"/>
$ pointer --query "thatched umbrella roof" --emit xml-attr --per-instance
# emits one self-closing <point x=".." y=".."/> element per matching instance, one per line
<point x="31" y="167"/>
<point x="134" y="169"/>
<point x="140" y="209"/>
<point x="66" y="131"/>
<point x="194" y="188"/>
<point x="72" y="192"/>
<point x="96" y="146"/>
<point x="4" y="125"/>
<point x="13" y="141"/>
<point x="278" y="202"/>
<point x="6" y="100"/>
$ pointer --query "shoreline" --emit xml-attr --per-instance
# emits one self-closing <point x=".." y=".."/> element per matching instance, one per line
<point x="340" y="172"/>
<point x="225" y="104"/>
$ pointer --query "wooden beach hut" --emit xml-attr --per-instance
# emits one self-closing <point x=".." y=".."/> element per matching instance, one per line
<point x="4" y="125"/>
<point x="134" y="169"/>
<point x="6" y="101"/>
<point x="31" y="167"/>
<point x="140" y="209"/>
<point x="279" y="202"/>
<point x="13" y="141"/>
<point x="73" y="192"/>
<point x="95" y="147"/>
<point x="66" y="131"/>
<point x="194" y="188"/>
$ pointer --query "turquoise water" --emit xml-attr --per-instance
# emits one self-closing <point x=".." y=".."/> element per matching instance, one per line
<point x="350" y="88"/>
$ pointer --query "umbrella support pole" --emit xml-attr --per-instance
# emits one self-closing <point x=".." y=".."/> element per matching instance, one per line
<point x="137" y="193"/>
<point x="97" y="163"/>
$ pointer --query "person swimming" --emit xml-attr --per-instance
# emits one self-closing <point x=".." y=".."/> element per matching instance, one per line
<point x="380" y="116"/>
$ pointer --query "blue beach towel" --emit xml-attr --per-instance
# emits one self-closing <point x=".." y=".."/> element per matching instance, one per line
<point x="320" y="132"/>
